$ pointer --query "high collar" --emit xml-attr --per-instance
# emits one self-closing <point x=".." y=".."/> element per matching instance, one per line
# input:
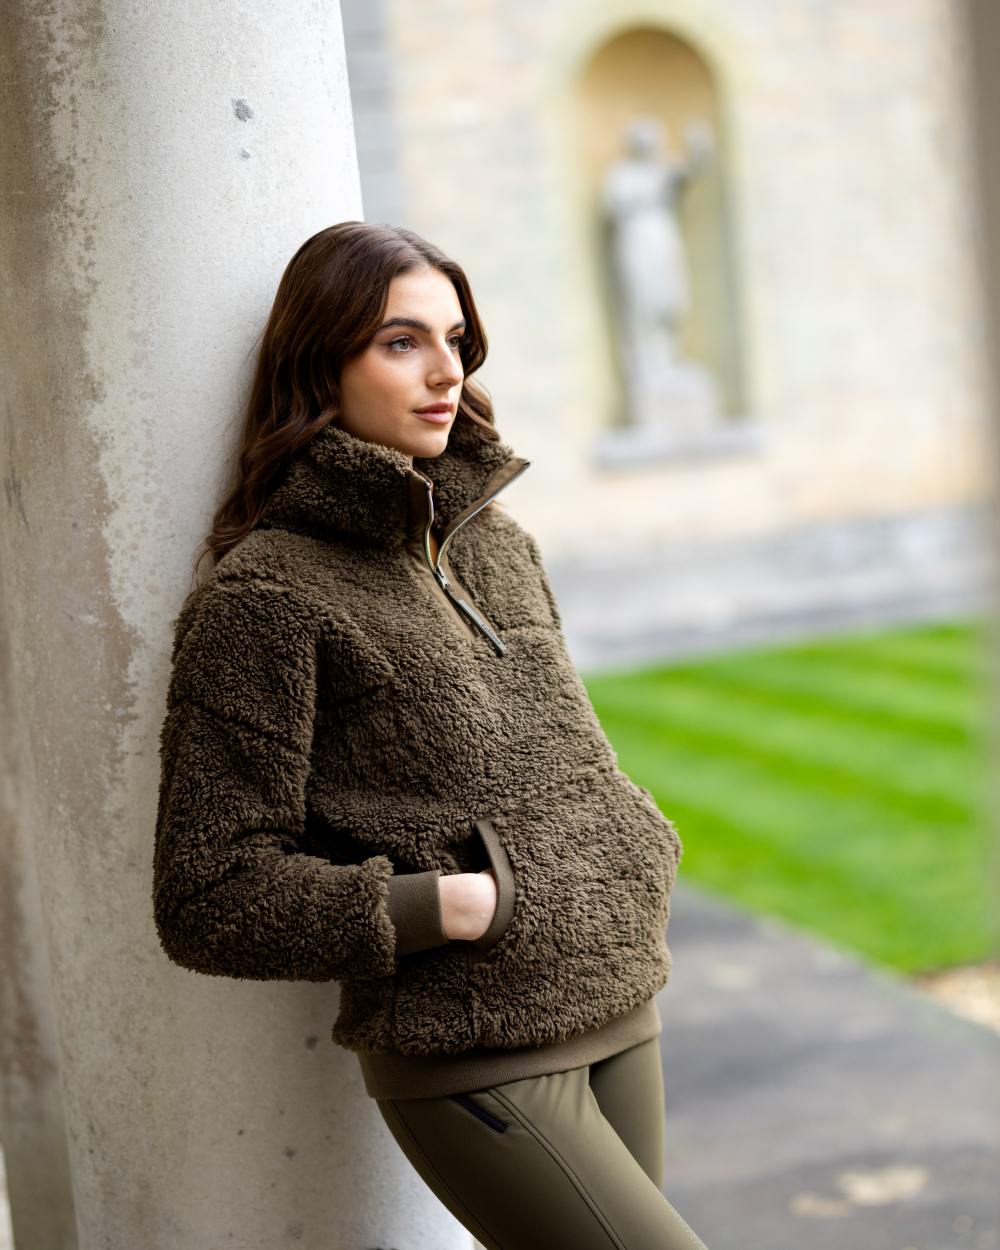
<point x="341" y="484"/>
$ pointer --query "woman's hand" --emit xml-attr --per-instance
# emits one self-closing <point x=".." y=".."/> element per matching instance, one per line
<point x="468" y="903"/>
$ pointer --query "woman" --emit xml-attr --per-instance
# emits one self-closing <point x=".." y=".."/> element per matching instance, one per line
<point x="380" y="767"/>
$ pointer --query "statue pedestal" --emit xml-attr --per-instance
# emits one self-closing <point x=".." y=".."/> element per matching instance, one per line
<point x="638" y="446"/>
<point x="679" y="396"/>
<point x="676" y="414"/>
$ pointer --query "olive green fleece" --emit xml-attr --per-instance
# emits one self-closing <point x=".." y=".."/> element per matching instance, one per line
<point x="337" y="737"/>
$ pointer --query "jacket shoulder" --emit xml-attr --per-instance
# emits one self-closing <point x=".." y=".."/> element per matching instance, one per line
<point x="279" y="556"/>
<point x="244" y="648"/>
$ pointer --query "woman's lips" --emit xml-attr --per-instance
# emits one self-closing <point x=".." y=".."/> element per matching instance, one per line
<point x="436" y="418"/>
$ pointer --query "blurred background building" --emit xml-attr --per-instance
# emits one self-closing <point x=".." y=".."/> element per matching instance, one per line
<point x="782" y="189"/>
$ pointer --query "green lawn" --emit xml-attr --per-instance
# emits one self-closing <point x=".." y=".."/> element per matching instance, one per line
<point x="839" y="784"/>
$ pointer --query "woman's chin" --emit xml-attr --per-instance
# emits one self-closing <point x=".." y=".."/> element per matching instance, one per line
<point x="430" y="440"/>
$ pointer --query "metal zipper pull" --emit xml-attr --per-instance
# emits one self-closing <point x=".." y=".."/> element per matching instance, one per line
<point x="466" y="607"/>
<point x="498" y="645"/>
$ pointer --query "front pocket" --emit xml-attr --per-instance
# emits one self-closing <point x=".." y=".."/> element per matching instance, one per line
<point x="499" y="861"/>
<point x="479" y="1112"/>
<point x="594" y="862"/>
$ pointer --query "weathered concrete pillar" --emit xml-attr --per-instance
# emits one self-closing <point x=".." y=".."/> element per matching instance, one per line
<point x="982" y="46"/>
<point x="160" y="163"/>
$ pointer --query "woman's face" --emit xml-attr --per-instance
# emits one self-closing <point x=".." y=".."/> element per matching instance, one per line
<point x="408" y="366"/>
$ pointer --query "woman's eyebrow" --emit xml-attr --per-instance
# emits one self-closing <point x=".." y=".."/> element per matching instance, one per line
<point x="416" y="325"/>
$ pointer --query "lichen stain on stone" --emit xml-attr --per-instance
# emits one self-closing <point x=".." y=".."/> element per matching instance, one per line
<point x="12" y="489"/>
<point x="242" y="110"/>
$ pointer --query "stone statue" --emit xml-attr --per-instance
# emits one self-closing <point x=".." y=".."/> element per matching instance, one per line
<point x="649" y="277"/>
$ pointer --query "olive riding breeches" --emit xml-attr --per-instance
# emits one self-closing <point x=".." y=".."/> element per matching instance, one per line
<point x="571" y="1158"/>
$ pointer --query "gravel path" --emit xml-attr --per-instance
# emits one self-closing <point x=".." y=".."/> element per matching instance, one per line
<point x="815" y="1101"/>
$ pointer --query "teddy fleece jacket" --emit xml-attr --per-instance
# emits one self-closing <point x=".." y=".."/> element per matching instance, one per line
<point x="348" y="719"/>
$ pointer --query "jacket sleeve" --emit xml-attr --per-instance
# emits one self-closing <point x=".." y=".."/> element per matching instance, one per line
<point x="234" y="893"/>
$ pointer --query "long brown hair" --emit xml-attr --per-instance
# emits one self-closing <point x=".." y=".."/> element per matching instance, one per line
<point x="328" y="306"/>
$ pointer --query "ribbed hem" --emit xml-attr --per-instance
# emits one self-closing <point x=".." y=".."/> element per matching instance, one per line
<point x="389" y="1074"/>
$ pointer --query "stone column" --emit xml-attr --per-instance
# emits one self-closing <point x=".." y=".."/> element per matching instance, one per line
<point x="982" y="46"/>
<point x="160" y="164"/>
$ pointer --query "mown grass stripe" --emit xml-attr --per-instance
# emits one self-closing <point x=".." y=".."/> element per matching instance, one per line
<point x="840" y="784"/>
<point x="906" y="773"/>
<point x="894" y="702"/>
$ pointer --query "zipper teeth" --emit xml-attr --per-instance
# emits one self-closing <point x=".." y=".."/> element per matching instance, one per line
<point x="427" y="527"/>
<point x="466" y="609"/>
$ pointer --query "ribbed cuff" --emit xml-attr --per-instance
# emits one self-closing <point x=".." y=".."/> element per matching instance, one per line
<point x="415" y="911"/>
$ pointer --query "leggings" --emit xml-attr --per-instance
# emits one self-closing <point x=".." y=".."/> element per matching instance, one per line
<point x="570" y="1158"/>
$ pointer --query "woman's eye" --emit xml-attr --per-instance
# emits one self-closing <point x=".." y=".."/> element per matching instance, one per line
<point x="456" y="342"/>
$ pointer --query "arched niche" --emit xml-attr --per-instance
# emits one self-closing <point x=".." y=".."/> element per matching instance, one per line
<point x="648" y="70"/>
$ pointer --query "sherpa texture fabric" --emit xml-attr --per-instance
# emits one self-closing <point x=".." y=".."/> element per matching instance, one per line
<point x="338" y="735"/>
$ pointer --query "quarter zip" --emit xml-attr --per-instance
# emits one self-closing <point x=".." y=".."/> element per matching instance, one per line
<point x="467" y="610"/>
